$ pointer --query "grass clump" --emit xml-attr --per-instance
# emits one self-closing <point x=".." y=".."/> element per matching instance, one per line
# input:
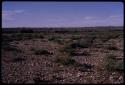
<point x="56" y="39"/>
<point x="83" y="43"/>
<point x="7" y="47"/>
<point x="65" y="61"/>
<point x="112" y="64"/>
<point x="112" y="48"/>
<point x="67" y="49"/>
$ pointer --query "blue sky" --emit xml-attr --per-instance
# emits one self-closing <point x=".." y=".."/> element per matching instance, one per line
<point x="61" y="14"/>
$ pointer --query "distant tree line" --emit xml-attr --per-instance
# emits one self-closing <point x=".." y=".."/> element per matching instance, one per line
<point x="59" y="30"/>
<point x="26" y="31"/>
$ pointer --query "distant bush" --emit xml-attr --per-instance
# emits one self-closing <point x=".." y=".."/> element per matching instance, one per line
<point x="17" y="36"/>
<point x="76" y="37"/>
<point x="26" y="31"/>
<point x="41" y="36"/>
<point x="107" y="36"/>
<point x="52" y="38"/>
<point x="6" y="38"/>
<point x="56" y="39"/>
<point x="25" y="36"/>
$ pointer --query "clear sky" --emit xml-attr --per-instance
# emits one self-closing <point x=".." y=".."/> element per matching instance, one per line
<point x="62" y="14"/>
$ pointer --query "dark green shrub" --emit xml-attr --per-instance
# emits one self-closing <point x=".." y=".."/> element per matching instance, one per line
<point x="18" y="59"/>
<point x="86" y="67"/>
<point x="119" y="65"/>
<point x="67" y="49"/>
<point x="42" y="52"/>
<point x="79" y="53"/>
<point x="112" y="48"/>
<point x="53" y="38"/>
<point x="41" y="36"/>
<point x="26" y="31"/>
<point x="112" y="64"/>
<point x="38" y="80"/>
<point x="65" y="61"/>
<point x="85" y="43"/>
<point x="6" y="46"/>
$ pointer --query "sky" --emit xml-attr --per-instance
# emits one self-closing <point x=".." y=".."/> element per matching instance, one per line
<point x="62" y="14"/>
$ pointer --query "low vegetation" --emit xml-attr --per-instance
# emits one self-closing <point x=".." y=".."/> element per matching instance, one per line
<point x="66" y="61"/>
<point x="84" y="53"/>
<point x="45" y="56"/>
<point x="18" y="59"/>
<point x="112" y="64"/>
<point x="42" y="52"/>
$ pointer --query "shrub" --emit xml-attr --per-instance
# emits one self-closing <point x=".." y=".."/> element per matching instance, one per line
<point x="85" y="43"/>
<point x="76" y="37"/>
<point x="119" y="65"/>
<point x="67" y="49"/>
<point x="26" y="31"/>
<point x="41" y="36"/>
<point x="6" y="38"/>
<point x="18" y="59"/>
<point x="5" y="45"/>
<point x="53" y="38"/>
<point x="80" y="53"/>
<point x="86" y="67"/>
<point x="32" y="49"/>
<point x="65" y="61"/>
<point x="112" y="64"/>
<point x="17" y="36"/>
<point x="9" y="47"/>
<point x="38" y="80"/>
<point x="112" y="48"/>
<point x="42" y="52"/>
<point x="56" y="39"/>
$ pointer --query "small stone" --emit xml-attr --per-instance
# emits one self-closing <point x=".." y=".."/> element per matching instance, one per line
<point x="113" y="73"/>
<point x="121" y="78"/>
<point x="79" y="74"/>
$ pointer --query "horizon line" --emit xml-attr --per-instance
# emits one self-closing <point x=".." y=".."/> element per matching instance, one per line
<point x="63" y="27"/>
